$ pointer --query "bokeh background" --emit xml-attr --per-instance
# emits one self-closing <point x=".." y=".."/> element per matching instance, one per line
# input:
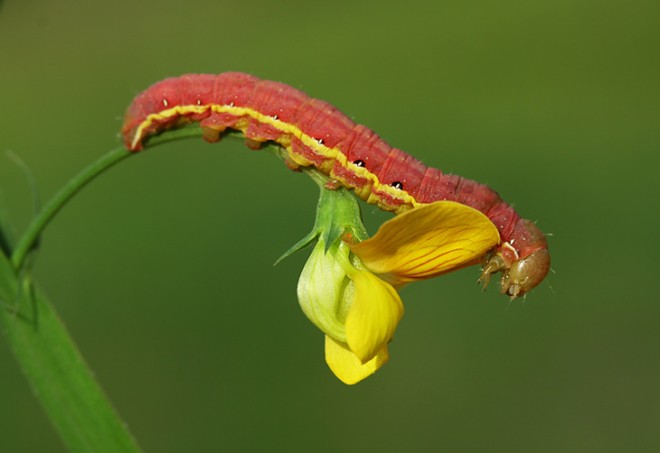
<point x="162" y="268"/>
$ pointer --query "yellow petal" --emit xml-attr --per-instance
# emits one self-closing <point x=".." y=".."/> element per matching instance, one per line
<point x="374" y="314"/>
<point x="346" y="366"/>
<point x="428" y="241"/>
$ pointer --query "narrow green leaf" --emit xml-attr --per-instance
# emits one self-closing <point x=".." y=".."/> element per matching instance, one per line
<point x="56" y="371"/>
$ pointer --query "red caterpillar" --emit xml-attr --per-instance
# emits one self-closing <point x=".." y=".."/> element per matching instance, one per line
<point x="314" y="133"/>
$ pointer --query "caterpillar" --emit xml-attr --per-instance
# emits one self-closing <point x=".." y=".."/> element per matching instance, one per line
<point x="313" y="133"/>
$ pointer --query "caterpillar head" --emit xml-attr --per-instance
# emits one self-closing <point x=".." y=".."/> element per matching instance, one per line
<point x="520" y="275"/>
<point x="525" y="274"/>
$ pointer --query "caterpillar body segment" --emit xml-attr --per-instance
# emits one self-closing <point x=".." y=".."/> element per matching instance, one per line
<point x="316" y="134"/>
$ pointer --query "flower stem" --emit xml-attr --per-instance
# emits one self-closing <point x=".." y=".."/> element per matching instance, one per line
<point x="31" y="235"/>
<point x="46" y="353"/>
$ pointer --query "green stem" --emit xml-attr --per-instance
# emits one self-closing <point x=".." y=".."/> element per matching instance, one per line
<point x="31" y="235"/>
<point x="34" y="230"/>
<point x="46" y="353"/>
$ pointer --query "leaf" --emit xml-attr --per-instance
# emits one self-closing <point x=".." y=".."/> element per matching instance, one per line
<point x="55" y="369"/>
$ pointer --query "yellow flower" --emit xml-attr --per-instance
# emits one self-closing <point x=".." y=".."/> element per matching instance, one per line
<point x="356" y="310"/>
<point x="348" y="289"/>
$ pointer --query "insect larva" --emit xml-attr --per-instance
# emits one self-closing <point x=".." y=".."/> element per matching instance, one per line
<point x="314" y="133"/>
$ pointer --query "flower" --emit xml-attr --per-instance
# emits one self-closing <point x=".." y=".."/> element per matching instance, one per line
<point x="357" y="311"/>
<point x="348" y="287"/>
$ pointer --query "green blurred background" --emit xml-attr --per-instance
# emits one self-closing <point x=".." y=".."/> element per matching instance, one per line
<point x="162" y="268"/>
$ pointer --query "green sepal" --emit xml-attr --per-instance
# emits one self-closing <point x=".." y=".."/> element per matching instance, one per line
<point x="337" y="213"/>
<point x="301" y="244"/>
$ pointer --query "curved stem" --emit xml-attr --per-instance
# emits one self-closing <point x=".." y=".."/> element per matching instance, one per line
<point x="29" y="239"/>
<point x="31" y="235"/>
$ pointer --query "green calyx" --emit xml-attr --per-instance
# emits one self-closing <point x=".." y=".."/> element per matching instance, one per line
<point x="337" y="217"/>
<point x="325" y="289"/>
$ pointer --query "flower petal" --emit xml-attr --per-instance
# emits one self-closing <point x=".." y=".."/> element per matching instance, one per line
<point x="373" y="316"/>
<point x="320" y="290"/>
<point x="428" y="241"/>
<point x="346" y="366"/>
